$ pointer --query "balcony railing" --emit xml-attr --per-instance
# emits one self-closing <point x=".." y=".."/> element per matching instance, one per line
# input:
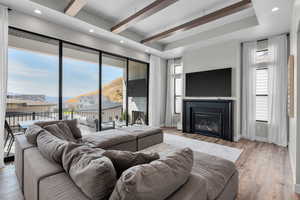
<point x="85" y="119"/>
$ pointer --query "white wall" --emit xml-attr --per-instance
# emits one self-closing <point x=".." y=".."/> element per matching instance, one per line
<point x="294" y="147"/>
<point x="226" y="55"/>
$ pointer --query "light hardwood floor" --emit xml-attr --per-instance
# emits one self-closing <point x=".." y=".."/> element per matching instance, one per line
<point x="265" y="171"/>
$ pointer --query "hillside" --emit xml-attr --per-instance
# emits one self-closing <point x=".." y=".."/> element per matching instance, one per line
<point x="112" y="91"/>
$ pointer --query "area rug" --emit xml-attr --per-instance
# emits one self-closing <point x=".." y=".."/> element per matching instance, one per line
<point x="228" y="153"/>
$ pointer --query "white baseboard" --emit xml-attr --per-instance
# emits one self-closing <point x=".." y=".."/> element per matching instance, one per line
<point x="297" y="188"/>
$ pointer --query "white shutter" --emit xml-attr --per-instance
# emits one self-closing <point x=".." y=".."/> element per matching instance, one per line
<point x="262" y="94"/>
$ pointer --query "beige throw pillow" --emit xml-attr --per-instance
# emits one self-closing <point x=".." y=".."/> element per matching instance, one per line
<point x="156" y="180"/>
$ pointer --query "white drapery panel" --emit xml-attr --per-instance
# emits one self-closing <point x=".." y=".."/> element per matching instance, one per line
<point x="278" y="90"/>
<point x="157" y="91"/>
<point x="249" y="94"/>
<point x="3" y="75"/>
<point x="169" y="122"/>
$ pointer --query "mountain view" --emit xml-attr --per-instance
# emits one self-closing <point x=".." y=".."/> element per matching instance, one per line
<point x="112" y="92"/>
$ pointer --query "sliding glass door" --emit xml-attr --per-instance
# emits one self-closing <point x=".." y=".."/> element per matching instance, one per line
<point x="113" y="91"/>
<point x="80" y="94"/>
<point x="32" y="78"/>
<point x="32" y="87"/>
<point x="51" y="79"/>
<point x="137" y="93"/>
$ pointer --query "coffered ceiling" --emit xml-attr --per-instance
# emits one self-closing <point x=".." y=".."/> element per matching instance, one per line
<point x="151" y="17"/>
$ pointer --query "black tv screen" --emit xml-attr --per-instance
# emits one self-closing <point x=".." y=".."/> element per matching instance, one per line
<point x="214" y="83"/>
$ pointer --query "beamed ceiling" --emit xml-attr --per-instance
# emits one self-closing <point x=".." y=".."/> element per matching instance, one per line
<point x="169" y="27"/>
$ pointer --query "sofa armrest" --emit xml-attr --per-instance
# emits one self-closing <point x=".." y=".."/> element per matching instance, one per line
<point x="36" y="168"/>
<point x="21" y="144"/>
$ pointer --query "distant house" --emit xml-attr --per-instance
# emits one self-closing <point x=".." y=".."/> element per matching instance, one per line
<point x="25" y="106"/>
<point x="89" y="103"/>
<point x="111" y="101"/>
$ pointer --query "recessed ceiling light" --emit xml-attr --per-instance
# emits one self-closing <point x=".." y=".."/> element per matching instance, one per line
<point x="91" y="30"/>
<point x="275" y="9"/>
<point x="37" y="11"/>
<point x="122" y="41"/>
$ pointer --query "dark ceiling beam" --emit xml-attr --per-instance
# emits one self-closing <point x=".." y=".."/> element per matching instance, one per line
<point x="74" y="7"/>
<point x="149" y="10"/>
<point x="229" y="10"/>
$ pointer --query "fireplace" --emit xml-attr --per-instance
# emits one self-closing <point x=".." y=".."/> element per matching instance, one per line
<point x="208" y="117"/>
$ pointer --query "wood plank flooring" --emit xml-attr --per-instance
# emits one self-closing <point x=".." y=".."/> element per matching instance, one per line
<point x="264" y="171"/>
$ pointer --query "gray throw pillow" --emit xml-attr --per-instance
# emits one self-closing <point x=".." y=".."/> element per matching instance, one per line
<point x="56" y="131"/>
<point x="32" y="132"/>
<point x="156" y="180"/>
<point x="92" y="172"/>
<point x="71" y="123"/>
<point x="67" y="131"/>
<point x="74" y="128"/>
<point x="123" y="160"/>
<point x="50" y="146"/>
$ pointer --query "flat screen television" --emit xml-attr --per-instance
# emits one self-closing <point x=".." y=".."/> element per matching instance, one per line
<point x="214" y="83"/>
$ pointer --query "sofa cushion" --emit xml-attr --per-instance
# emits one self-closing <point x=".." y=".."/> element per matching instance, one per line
<point x="61" y="134"/>
<point x="60" y="187"/>
<point x="50" y="146"/>
<point x="214" y="170"/>
<point x="156" y="180"/>
<point x="63" y="126"/>
<point x="194" y="189"/>
<point x="123" y="160"/>
<point x="106" y="139"/>
<point x="92" y="172"/>
<point x="32" y="132"/>
<point x="71" y="123"/>
<point x="142" y="131"/>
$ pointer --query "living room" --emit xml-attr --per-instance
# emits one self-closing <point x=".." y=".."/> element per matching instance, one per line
<point x="105" y="99"/>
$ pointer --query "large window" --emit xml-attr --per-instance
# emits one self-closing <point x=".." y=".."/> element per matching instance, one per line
<point x="262" y="94"/>
<point x="32" y="78"/>
<point x="178" y="88"/>
<point x="32" y="82"/>
<point x="262" y="89"/>
<point x="51" y="79"/>
<point x="113" y="91"/>
<point x="80" y="94"/>
<point x="137" y="93"/>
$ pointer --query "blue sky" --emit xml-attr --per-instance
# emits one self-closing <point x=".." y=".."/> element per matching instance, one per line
<point x="33" y="73"/>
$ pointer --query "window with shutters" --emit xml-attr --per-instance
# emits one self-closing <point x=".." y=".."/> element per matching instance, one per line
<point x="262" y="88"/>
<point x="178" y="88"/>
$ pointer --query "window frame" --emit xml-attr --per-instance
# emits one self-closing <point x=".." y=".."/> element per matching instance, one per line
<point x="100" y="52"/>
<point x="177" y="76"/>
<point x="259" y="67"/>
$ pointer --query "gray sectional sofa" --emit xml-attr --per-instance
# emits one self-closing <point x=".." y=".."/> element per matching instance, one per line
<point x="40" y="179"/>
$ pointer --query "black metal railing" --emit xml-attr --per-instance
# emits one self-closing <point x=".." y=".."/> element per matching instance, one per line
<point x="85" y="118"/>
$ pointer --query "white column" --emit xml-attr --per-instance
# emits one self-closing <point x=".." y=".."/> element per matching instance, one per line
<point x="3" y="76"/>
